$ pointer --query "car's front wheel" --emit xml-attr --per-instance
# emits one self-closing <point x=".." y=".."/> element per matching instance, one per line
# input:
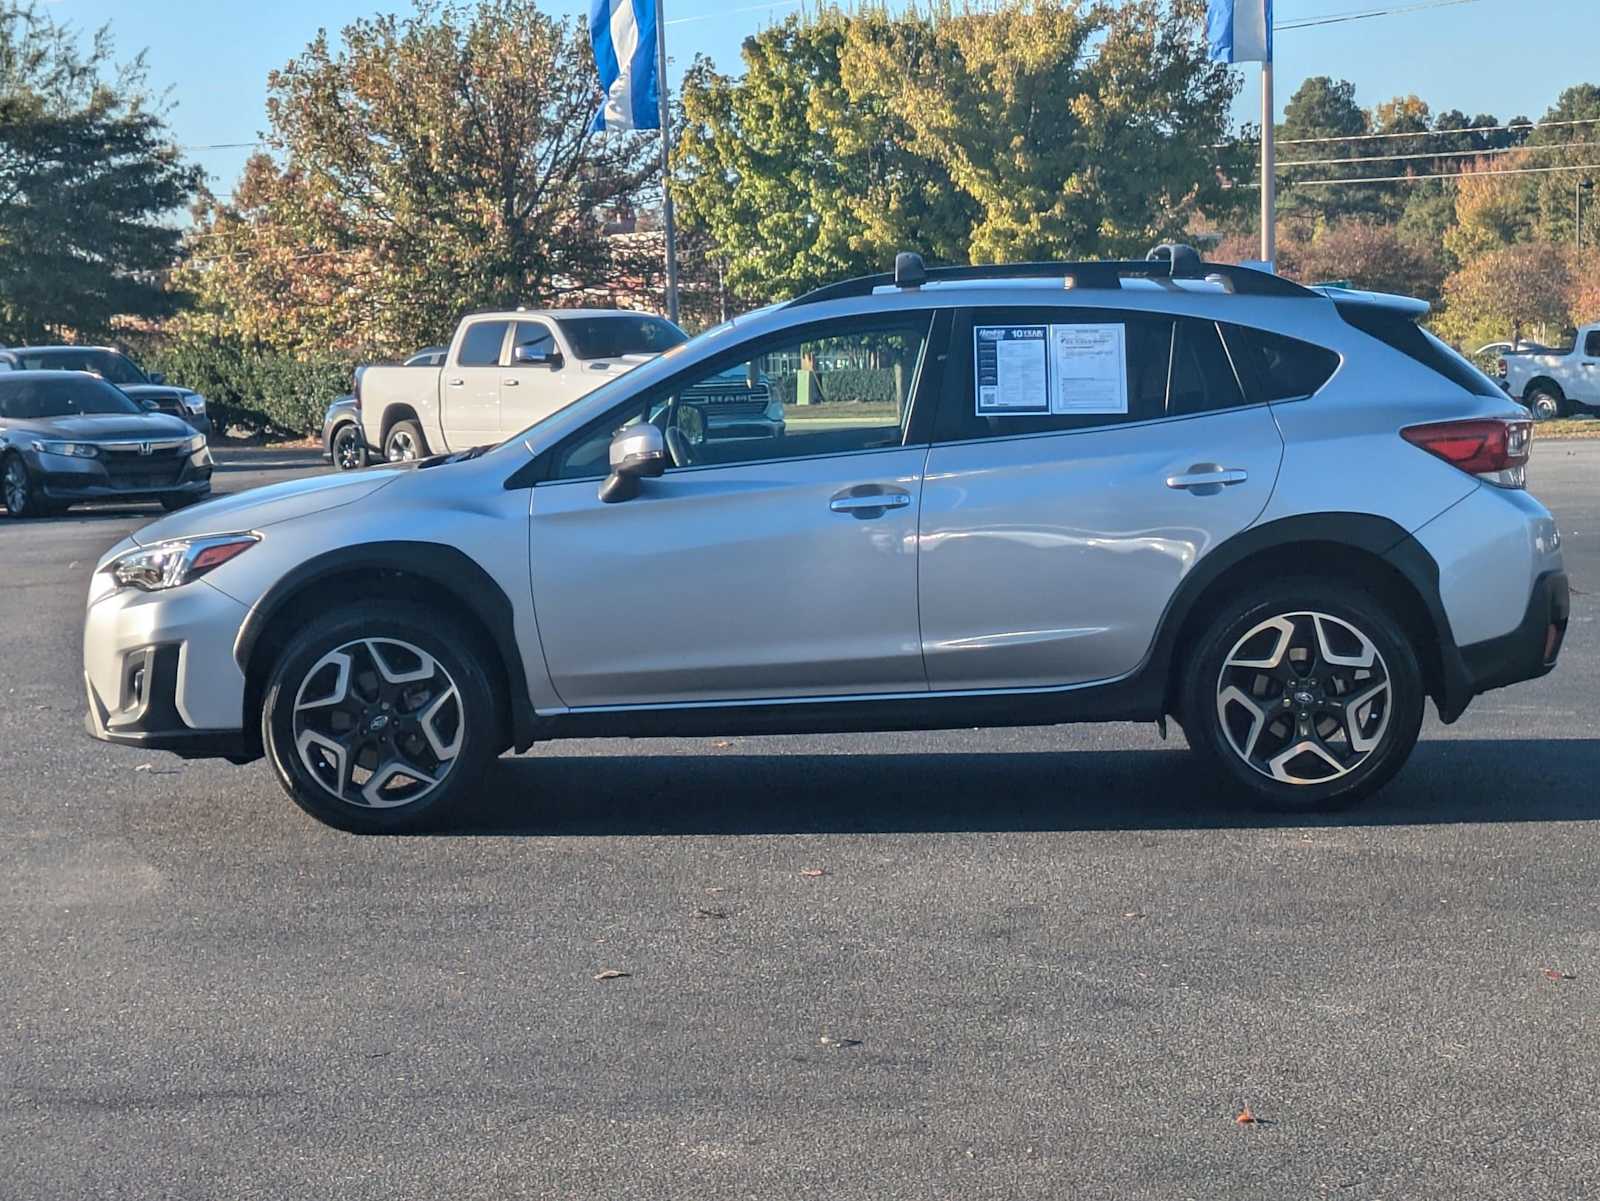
<point x="1307" y="694"/>
<point x="380" y="718"/>
<point x="348" y="449"/>
<point x="17" y="488"/>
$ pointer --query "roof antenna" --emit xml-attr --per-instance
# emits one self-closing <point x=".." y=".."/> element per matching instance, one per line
<point x="909" y="271"/>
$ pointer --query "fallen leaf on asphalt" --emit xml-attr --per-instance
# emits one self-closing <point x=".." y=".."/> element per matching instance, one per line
<point x="611" y="973"/>
<point x="712" y="913"/>
<point x="813" y="872"/>
<point x="1244" y="1117"/>
<point x="1551" y="974"/>
<point x="1134" y="914"/>
<point x="718" y="888"/>
<point x="825" y="1041"/>
<point x="145" y="767"/>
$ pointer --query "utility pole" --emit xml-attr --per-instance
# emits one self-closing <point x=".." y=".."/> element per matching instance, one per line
<point x="1269" y="172"/>
<point x="666" y="165"/>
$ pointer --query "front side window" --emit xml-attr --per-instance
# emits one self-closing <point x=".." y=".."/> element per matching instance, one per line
<point x="835" y="390"/>
<point x="534" y="336"/>
<point x="480" y="345"/>
<point x="66" y="396"/>
<point x="1591" y="344"/>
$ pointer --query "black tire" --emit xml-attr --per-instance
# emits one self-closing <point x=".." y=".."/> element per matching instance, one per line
<point x="347" y="448"/>
<point x="404" y="442"/>
<point x="173" y="503"/>
<point x="18" y="491"/>
<point x="1297" y="704"/>
<point x="398" y="629"/>
<point x="1546" y="403"/>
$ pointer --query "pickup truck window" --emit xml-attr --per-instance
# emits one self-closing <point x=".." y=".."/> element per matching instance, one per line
<point x="617" y="334"/>
<point x="532" y="335"/>
<point x="1591" y="344"/>
<point x="480" y="346"/>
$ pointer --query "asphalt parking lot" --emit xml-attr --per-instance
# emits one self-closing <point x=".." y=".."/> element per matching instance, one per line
<point x="1042" y="963"/>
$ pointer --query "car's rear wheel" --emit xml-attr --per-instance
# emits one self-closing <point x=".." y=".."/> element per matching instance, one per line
<point x="348" y="449"/>
<point x="1307" y="694"/>
<point x="380" y="718"/>
<point x="404" y="442"/>
<point x="17" y="488"/>
<point x="1545" y="403"/>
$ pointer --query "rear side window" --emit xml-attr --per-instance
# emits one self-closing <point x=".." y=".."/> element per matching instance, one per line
<point x="1203" y="380"/>
<point x="480" y="346"/>
<point x="1273" y="367"/>
<point x="1591" y="344"/>
<point x="1399" y="332"/>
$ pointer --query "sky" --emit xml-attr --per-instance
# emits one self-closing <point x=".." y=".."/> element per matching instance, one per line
<point x="1506" y="57"/>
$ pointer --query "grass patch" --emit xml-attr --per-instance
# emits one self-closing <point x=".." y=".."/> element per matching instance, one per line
<point x="842" y="410"/>
<point x="1566" y="429"/>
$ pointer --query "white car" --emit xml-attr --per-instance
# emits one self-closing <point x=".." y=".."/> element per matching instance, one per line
<point x="503" y="372"/>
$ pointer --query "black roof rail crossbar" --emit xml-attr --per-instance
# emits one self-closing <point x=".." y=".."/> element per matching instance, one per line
<point x="1108" y="273"/>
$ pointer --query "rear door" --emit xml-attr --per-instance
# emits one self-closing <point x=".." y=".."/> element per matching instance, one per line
<point x="469" y="388"/>
<point x="1083" y="462"/>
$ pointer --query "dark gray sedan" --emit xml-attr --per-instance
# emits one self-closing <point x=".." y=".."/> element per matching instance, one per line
<point x="66" y="436"/>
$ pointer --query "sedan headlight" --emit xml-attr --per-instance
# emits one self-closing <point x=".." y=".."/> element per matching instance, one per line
<point x="194" y="402"/>
<point x="197" y="443"/>
<point x="73" y="450"/>
<point x="171" y="564"/>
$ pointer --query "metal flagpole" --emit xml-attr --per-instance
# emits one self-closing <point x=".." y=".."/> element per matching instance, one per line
<point x="666" y="164"/>
<point x="1269" y="174"/>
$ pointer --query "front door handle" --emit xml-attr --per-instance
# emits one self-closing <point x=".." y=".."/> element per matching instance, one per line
<point x="869" y="500"/>
<point x="512" y="382"/>
<point x="456" y="383"/>
<point x="1207" y="479"/>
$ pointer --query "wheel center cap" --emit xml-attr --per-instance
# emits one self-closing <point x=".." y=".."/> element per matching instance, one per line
<point x="1305" y="699"/>
<point x="379" y="724"/>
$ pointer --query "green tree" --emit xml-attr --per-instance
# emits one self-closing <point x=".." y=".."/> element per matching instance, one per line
<point x="1527" y="288"/>
<point x="88" y="176"/>
<point x="424" y="164"/>
<point x="972" y="136"/>
<point x="1324" y="108"/>
<point x="1566" y="148"/>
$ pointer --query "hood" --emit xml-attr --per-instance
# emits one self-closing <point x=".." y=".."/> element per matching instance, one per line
<point x="155" y="391"/>
<point x="261" y="507"/>
<point x="108" y="427"/>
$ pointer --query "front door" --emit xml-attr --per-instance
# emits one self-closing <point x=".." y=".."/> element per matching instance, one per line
<point x="470" y="385"/>
<point x="1586" y="384"/>
<point x="1073" y="483"/>
<point x="755" y="568"/>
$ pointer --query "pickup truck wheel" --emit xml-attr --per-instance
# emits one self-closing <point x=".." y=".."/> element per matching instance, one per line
<point x="1545" y="403"/>
<point x="404" y="443"/>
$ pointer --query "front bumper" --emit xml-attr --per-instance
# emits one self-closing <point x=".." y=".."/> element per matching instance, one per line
<point x="159" y="670"/>
<point x="64" y="479"/>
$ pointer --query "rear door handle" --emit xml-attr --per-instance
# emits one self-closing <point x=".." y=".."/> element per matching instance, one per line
<point x="1207" y="479"/>
<point x="511" y="382"/>
<point x="869" y="500"/>
<point x="456" y="383"/>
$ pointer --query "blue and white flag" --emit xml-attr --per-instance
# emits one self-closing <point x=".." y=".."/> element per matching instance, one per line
<point x="624" y="37"/>
<point x="1239" y="31"/>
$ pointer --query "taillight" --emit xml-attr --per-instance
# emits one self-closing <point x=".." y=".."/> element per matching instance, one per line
<point x="1493" y="450"/>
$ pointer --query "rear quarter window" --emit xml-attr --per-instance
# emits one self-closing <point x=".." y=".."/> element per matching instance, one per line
<point x="1275" y="367"/>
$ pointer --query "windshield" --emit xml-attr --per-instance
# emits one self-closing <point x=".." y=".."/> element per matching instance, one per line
<point x="617" y="334"/>
<point x="118" y="368"/>
<point x="63" y="396"/>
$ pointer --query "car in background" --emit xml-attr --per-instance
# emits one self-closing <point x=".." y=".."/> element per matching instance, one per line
<point x="503" y="372"/>
<point x="342" y="443"/>
<point x="428" y="356"/>
<point x="1556" y="383"/>
<point x="68" y="436"/>
<point x="150" y="390"/>
<point x="737" y="403"/>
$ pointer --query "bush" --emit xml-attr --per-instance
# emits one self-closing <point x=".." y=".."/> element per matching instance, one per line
<point x="869" y="385"/>
<point x="258" y="391"/>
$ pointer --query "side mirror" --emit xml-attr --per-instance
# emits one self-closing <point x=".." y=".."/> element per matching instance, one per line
<point x="637" y="453"/>
<point x="157" y="378"/>
<point x="148" y="405"/>
<point x="534" y="356"/>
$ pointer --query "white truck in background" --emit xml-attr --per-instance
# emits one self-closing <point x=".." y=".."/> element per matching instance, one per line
<point x="1556" y="383"/>
<point x="503" y="371"/>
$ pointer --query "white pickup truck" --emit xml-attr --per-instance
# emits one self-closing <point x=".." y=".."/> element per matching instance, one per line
<point x="1559" y="382"/>
<point x="503" y="372"/>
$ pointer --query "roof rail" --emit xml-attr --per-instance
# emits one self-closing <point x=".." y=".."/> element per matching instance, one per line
<point x="1167" y="261"/>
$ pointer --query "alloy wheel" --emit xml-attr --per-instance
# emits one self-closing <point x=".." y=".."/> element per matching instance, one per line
<point x="347" y="449"/>
<point x="402" y="447"/>
<point x="1304" y="698"/>
<point x="1545" y="407"/>
<point x="378" y="723"/>
<point x="16" y="485"/>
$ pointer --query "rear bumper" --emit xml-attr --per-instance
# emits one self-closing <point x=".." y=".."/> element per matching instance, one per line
<point x="1530" y="650"/>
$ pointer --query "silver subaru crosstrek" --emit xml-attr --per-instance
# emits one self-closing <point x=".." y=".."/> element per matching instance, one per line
<point x="1036" y="494"/>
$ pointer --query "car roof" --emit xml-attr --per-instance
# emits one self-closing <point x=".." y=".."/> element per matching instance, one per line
<point x="45" y="375"/>
<point x="38" y="349"/>
<point x="514" y="314"/>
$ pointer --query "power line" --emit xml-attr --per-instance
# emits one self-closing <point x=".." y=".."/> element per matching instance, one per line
<point x="1390" y="158"/>
<point x="1312" y="183"/>
<point x="1368" y="14"/>
<point x="1418" y="133"/>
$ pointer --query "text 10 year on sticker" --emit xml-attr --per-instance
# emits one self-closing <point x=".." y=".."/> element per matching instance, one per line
<point x="1012" y="369"/>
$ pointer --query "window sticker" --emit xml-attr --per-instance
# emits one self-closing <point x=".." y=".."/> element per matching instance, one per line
<point x="1013" y="372"/>
<point x="1088" y="368"/>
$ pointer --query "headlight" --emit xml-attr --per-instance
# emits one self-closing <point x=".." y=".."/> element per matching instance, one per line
<point x="194" y="402"/>
<point x="198" y="442"/>
<point x="172" y="564"/>
<point x="73" y="450"/>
